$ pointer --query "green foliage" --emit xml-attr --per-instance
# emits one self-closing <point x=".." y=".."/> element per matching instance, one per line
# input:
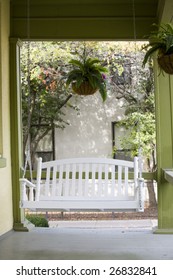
<point x="88" y="70"/>
<point x="160" y="41"/>
<point x="141" y="133"/>
<point x="43" y="92"/>
<point x="139" y="120"/>
<point x="38" y="221"/>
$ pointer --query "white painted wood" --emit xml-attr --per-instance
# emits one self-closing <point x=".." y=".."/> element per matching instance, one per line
<point x="67" y="182"/>
<point x="47" y="182"/>
<point x="27" y="191"/>
<point x="105" y="181"/>
<point x="53" y="193"/>
<point x="99" y="191"/>
<point x="80" y="190"/>
<point x="60" y="181"/>
<point x="73" y="189"/>
<point x="136" y="171"/>
<point x="38" y="182"/>
<point x="126" y="183"/>
<point x="91" y="205"/>
<point x="86" y="181"/>
<point x="113" y="181"/>
<point x="141" y="194"/>
<point x="168" y="175"/>
<point x="93" y="187"/>
<point x="71" y="186"/>
<point x="119" y="180"/>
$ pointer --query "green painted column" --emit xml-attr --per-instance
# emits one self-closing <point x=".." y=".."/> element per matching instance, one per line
<point x="16" y="132"/>
<point x="164" y="136"/>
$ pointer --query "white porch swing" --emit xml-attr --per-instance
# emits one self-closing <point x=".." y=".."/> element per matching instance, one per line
<point x="83" y="184"/>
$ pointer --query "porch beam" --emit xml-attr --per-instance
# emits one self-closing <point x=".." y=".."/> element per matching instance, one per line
<point x="96" y="28"/>
<point x="94" y="19"/>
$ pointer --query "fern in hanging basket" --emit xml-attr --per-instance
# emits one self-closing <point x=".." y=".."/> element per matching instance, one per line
<point x="166" y="63"/>
<point x="161" y="42"/>
<point x="87" y="77"/>
<point x="84" y="89"/>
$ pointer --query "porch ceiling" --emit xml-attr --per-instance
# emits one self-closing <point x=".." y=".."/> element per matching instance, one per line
<point x="84" y="19"/>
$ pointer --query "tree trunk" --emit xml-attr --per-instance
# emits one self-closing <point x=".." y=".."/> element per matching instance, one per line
<point x="151" y="193"/>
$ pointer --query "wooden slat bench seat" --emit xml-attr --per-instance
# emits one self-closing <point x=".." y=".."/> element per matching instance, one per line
<point x="84" y="184"/>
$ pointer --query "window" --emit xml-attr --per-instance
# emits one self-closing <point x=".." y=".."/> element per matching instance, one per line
<point x="118" y="132"/>
<point x="46" y="147"/>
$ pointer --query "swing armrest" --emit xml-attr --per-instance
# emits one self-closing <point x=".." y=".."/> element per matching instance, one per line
<point x="27" y="190"/>
<point x="26" y="182"/>
<point x="141" y="180"/>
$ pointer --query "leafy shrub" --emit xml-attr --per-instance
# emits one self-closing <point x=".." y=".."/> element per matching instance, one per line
<point x="38" y="221"/>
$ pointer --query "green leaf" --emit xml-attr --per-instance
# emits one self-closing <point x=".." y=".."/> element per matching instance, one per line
<point x="77" y="63"/>
<point x="150" y="52"/>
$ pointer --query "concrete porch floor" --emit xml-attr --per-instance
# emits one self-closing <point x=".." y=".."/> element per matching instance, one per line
<point x="89" y="240"/>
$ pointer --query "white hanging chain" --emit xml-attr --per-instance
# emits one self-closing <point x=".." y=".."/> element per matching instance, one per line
<point x="28" y="151"/>
<point x="28" y="159"/>
<point x="139" y="119"/>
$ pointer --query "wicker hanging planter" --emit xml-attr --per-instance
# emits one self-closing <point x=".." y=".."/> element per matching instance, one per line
<point x="161" y="43"/>
<point x="166" y="63"/>
<point x="89" y="74"/>
<point x="84" y="89"/>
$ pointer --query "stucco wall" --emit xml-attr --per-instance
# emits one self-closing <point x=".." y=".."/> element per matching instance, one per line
<point x="6" y="217"/>
<point x="89" y="133"/>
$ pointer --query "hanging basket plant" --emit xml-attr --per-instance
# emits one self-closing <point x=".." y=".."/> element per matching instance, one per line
<point x="166" y="63"/>
<point x="161" y="42"/>
<point x="87" y="76"/>
<point x="84" y="89"/>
